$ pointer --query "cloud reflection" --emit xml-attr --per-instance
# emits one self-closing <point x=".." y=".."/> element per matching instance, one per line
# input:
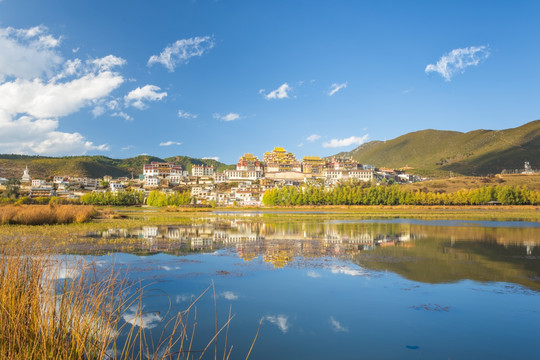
<point x="336" y="325"/>
<point x="145" y="320"/>
<point x="229" y="295"/>
<point x="281" y="321"/>
<point x="347" y="270"/>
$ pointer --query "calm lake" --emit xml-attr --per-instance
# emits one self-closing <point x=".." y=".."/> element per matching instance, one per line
<point x="333" y="287"/>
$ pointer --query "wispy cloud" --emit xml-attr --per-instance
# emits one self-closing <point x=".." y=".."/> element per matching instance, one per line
<point x="313" y="137"/>
<point x="140" y="95"/>
<point x="336" y="325"/>
<point x="28" y="53"/>
<point x="281" y="92"/>
<point x="457" y="60"/>
<point x="122" y="115"/>
<point x="211" y="158"/>
<point x="281" y="321"/>
<point x="227" y="117"/>
<point x="334" y="88"/>
<point x="169" y="143"/>
<point x="185" y="115"/>
<point x="129" y="147"/>
<point x="182" y="50"/>
<point x="353" y="140"/>
<point x="313" y="274"/>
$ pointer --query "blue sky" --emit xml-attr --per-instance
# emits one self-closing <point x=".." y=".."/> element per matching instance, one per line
<point x="220" y="78"/>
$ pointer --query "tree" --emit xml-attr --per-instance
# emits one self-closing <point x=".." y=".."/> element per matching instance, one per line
<point x="12" y="189"/>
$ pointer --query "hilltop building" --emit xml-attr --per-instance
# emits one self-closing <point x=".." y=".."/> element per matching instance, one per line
<point x="249" y="162"/>
<point x="313" y="165"/>
<point x="279" y="160"/>
<point x="346" y="164"/>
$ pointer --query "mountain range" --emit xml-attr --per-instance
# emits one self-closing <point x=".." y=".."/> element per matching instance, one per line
<point x="438" y="152"/>
<point x="40" y="167"/>
<point x="426" y="152"/>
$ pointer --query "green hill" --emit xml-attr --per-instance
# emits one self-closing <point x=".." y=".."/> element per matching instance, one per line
<point x="436" y="152"/>
<point x="12" y="166"/>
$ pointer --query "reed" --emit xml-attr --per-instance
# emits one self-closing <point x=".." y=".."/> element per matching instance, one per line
<point x="45" y="214"/>
<point x="52" y="311"/>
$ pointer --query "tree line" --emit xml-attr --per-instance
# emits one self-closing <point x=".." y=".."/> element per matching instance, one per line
<point x="396" y="195"/>
<point x="120" y="198"/>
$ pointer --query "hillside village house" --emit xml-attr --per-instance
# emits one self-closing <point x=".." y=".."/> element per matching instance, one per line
<point x="201" y="170"/>
<point x="156" y="173"/>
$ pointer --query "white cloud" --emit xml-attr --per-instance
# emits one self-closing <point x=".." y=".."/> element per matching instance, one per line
<point x="169" y="143"/>
<point x="122" y="115"/>
<point x="51" y="99"/>
<point x="281" y="92"/>
<point x="227" y="117"/>
<point x="98" y="111"/>
<point x="137" y="97"/>
<point x="281" y="321"/>
<point x="28" y="53"/>
<point x="108" y="62"/>
<point x="182" y="50"/>
<point x="336" y="325"/>
<point x="37" y="87"/>
<point x="27" y="135"/>
<point x="313" y="274"/>
<point x="185" y="115"/>
<point x="211" y="158"/>
<point x="457" y="60"/>
<point x="229" y="295"/>
<point x="129" y="147"/>
<point x="353" y="140"/>
<point x="313" y="137"/>
<point x="334" y="88"/>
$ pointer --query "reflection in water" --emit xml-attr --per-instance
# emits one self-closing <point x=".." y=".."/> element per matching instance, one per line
<point x="432" y="252"/>
<point x="331" y="288"/>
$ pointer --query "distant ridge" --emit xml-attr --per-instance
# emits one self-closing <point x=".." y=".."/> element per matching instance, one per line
<point x="437" y="152"/>
<point x="12" y="166"/>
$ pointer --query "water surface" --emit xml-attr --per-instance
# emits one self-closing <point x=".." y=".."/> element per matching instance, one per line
<point x="332" y="288"/>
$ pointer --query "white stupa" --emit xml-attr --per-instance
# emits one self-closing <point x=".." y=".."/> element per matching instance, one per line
<point x="26" y="176"/>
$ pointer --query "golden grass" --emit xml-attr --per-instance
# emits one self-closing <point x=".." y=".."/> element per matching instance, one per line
<point x="81" y="313"/>
<point x="45" y="214"/>
<point x="41" y="319"/>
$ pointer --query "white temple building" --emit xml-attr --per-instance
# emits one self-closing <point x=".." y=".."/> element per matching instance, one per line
<point x="26" y="177"/>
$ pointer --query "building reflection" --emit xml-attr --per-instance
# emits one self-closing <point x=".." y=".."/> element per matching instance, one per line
<point x="280" y="242"/>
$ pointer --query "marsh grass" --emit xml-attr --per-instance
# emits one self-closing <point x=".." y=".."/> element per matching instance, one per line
<point x="45" y="214"/>
<point x="50" y="309"/>
<point x="43" y="318"/>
